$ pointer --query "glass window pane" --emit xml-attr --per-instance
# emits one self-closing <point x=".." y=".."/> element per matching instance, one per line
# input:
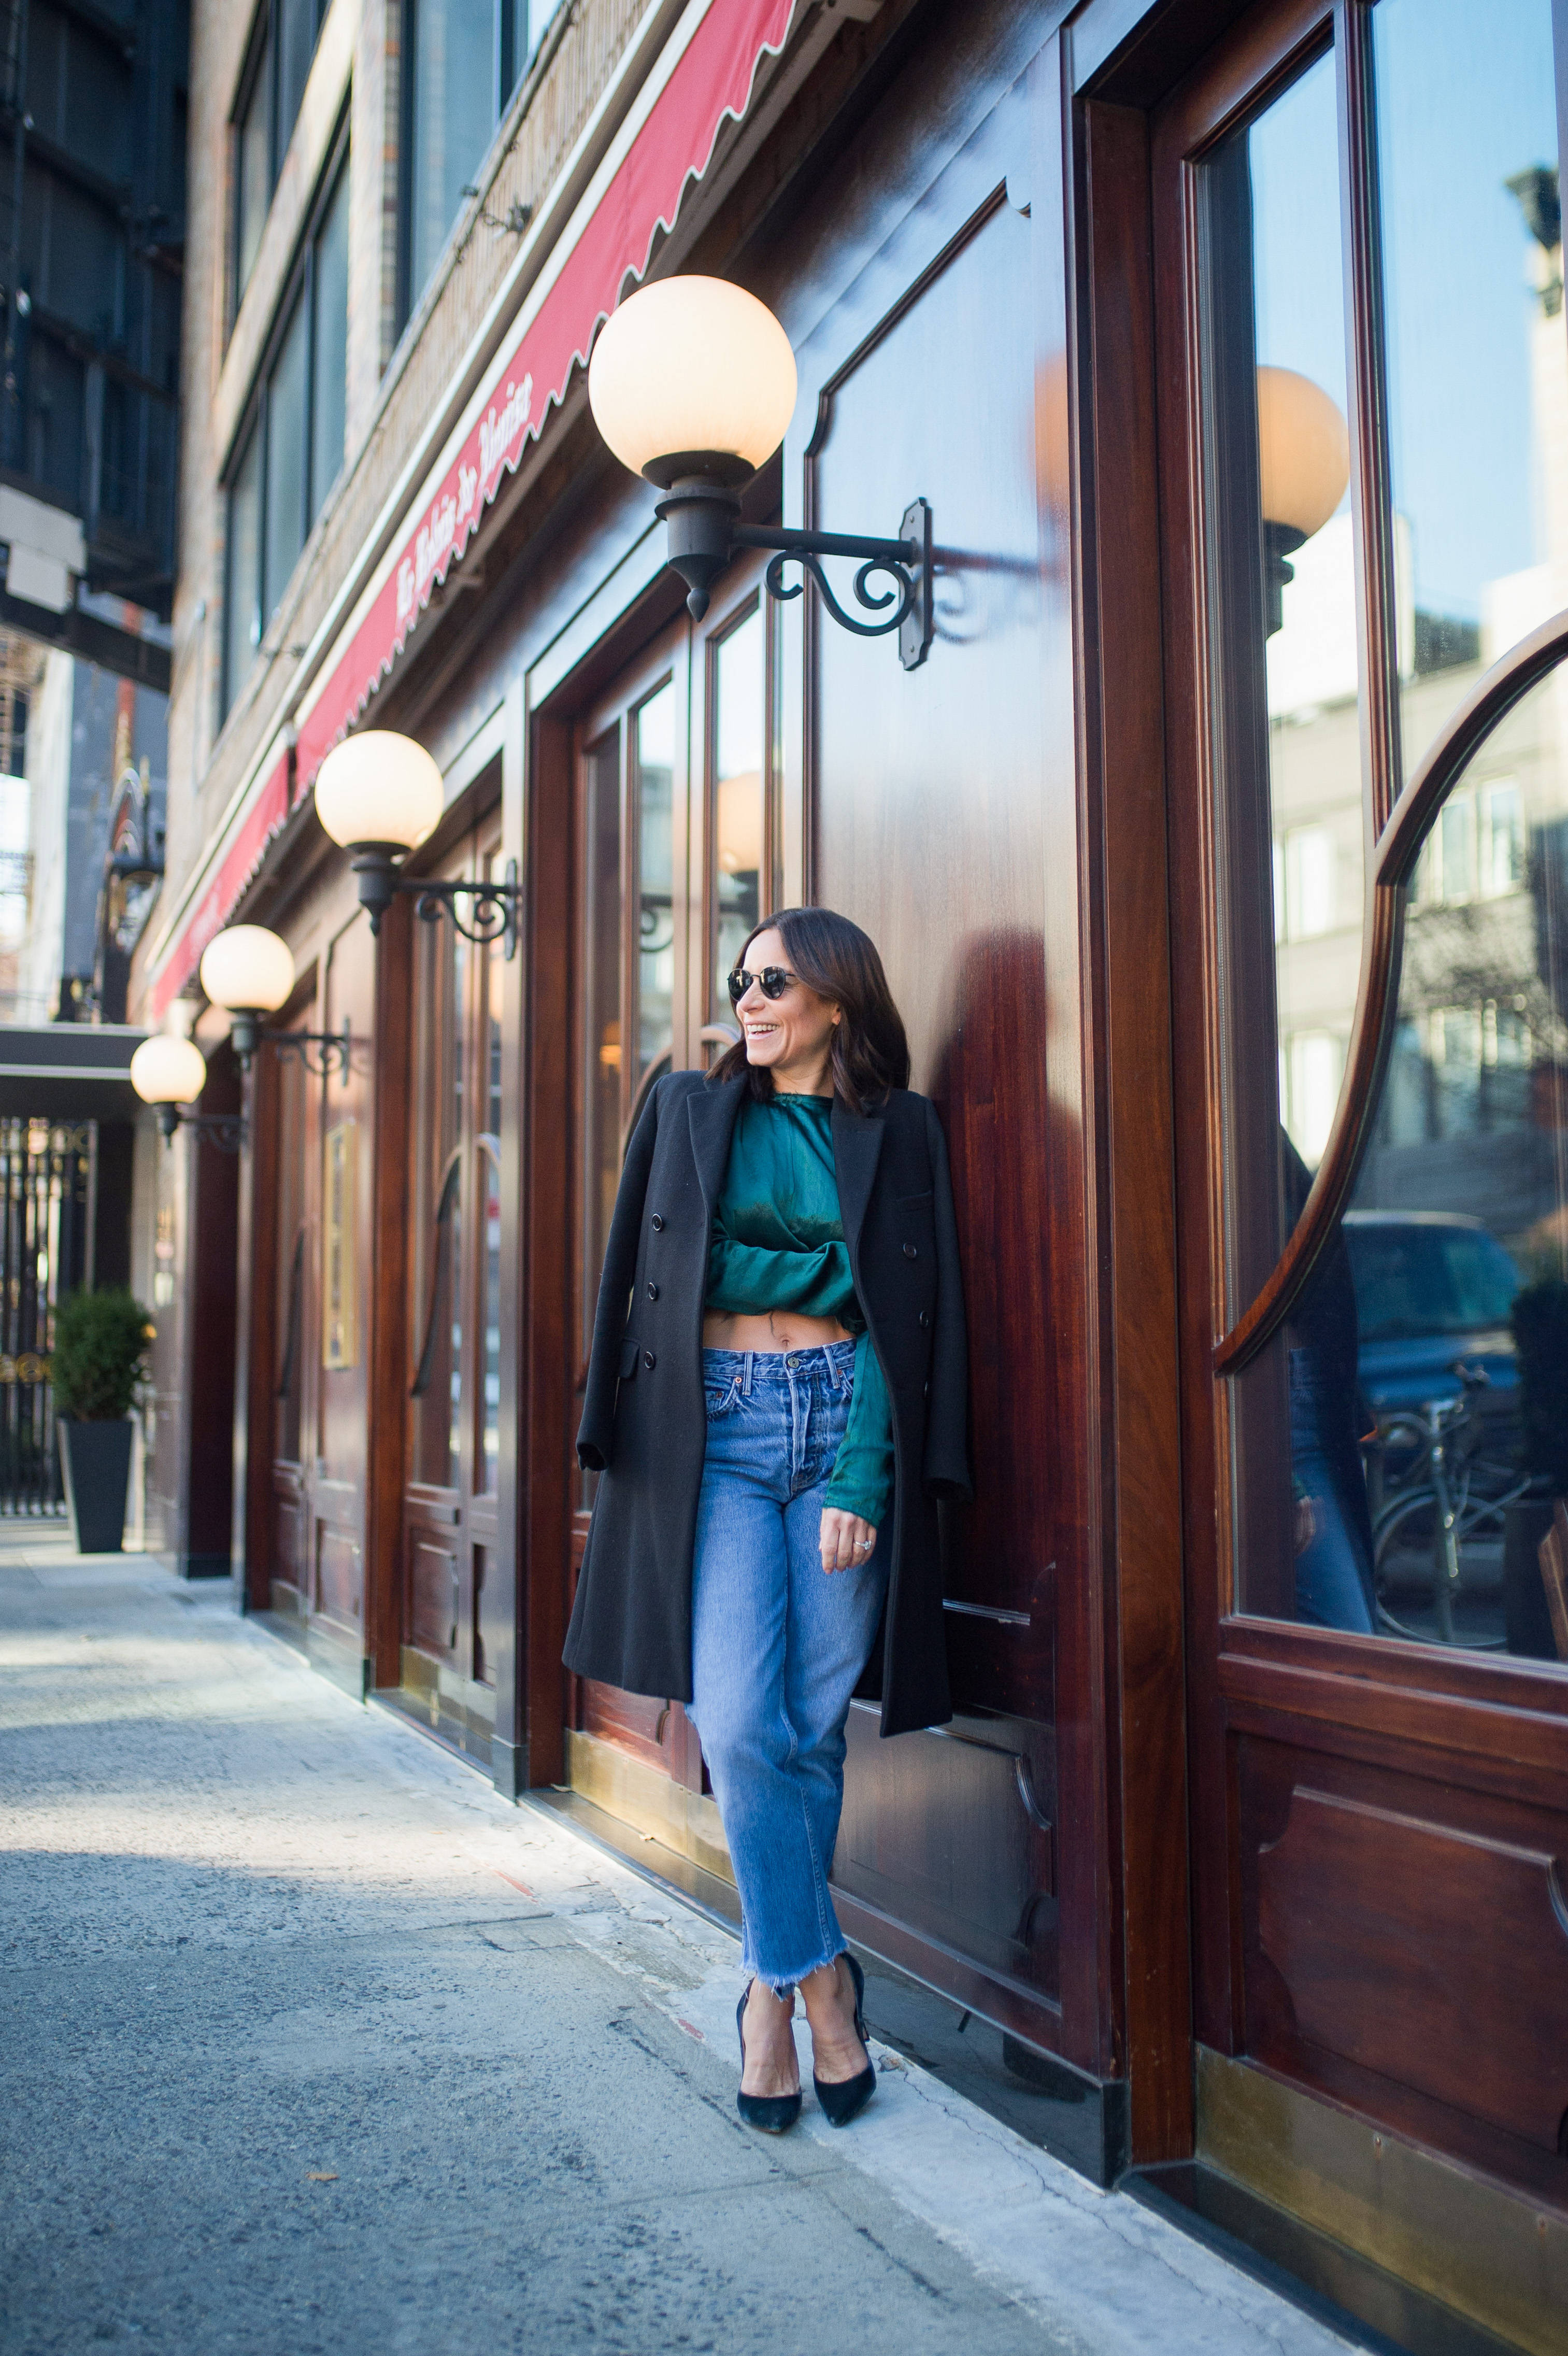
<point x="601" y="1080"/>
<point x="1414" y="1395"/>
<point x="739" y="802"/>
<point x="490" y="1187"/>
<point x="243" y="612"/>
<point x="1286" y="650"/>
<point x="329" y="357"/>
<point x="453" y="115"/>
<point x="436" y="1299"/>
<point x="532" y="19"/>
<point x="285" y="460"/>
<point x="253" y="171"/>
<point x="654" y="782"/>
<point x="1473" y="289"/>
<point x="296" y="23"/>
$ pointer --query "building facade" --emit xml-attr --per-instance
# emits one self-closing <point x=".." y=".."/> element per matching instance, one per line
<point x="1215" y="851"/>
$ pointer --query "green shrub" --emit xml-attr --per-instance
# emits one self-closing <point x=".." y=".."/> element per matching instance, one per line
<point x="99" y="1353"/>
<point x="1540" y="1322"/>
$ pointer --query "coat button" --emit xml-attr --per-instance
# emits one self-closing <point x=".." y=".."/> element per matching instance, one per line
<point x="924" y="1320"/>
<point x="659" y="1224"/>
<point x="649" y="1360"/>
<point x="910" y="1252"/>
<point x="653" y="1291"/>
<point x="925" y="1391"/>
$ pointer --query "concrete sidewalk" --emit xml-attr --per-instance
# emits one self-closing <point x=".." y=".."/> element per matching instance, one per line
<point x="310" y="2041"/>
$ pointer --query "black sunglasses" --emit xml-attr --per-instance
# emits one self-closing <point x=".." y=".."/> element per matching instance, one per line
<point x="773" y="981"/>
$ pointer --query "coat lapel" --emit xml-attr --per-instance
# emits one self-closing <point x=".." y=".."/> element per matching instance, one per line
<point x="856" y="1142"/>
<point x="714" y="1113"/>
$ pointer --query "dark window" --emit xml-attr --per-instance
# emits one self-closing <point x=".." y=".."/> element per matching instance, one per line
<point x="464" y="59"/>
<point x="270" y="90"/>
<point x="294" y="450"/>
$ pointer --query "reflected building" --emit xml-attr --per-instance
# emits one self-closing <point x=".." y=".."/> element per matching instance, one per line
<point x="1471" y="1115"/>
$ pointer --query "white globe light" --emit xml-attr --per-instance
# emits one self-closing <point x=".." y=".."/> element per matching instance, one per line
<point x="1304" y="451"/>
<point x="692" y="367"/>
<point x="247" y="966"/>
<point x="378" y="787"/>
<point x="168" y="1071"/>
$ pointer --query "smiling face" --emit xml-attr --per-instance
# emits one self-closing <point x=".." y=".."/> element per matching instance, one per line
<point x="789" y="1036"/>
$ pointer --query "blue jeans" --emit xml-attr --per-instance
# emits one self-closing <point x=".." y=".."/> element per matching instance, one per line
<point x="1334" y="1570"/>
<point x="778" y="1643"/>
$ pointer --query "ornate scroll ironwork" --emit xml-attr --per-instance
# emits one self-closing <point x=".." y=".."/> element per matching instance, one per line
<point x="494" y="911"/>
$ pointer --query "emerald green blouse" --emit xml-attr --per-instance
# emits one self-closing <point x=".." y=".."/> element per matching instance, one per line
<point x="778" y="1243"/>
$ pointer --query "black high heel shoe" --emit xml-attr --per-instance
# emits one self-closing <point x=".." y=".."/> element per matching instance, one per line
<point x="844" y="2099"/>
<point x="772" y="2113"/>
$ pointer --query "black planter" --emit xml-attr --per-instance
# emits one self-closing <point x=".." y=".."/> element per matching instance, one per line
<point x="96" y="1461"/>
<point x="1525" y="1615"/>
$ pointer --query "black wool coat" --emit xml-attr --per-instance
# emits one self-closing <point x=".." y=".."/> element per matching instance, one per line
<point x="645" y="1419"/>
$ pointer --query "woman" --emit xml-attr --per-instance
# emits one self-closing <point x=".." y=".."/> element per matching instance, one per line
<point x="776" y="1399"/>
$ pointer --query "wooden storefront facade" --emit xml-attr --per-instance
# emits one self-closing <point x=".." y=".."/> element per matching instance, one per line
<point x="1253" y="1887"/>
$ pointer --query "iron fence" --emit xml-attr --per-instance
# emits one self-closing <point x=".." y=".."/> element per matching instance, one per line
<point x="45" y="1206"/>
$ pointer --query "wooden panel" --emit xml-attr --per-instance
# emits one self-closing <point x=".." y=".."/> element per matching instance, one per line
<point x="431" y="1602"/>
<point x="633" y="1721"/>
<point x="1440" y="1959"/>
<point x="488" y="1625"/>
<point x="290" y="1515"/>
<point x="958" y="1836"/>
<point x="339" y="1565"/>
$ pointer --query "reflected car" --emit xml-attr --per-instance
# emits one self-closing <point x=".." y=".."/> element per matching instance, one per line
<point x="1432" y="1288"/>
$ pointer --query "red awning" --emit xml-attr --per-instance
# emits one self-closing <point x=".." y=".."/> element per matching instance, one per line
<point x="711" y="79"/>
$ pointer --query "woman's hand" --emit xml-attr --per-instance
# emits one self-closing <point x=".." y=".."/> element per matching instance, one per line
<point x="846" y="1540"/>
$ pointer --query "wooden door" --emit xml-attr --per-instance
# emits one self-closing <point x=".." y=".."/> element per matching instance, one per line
<point x="942" y="823"/>
<point x="450" y="1524"/>
<point x="1368" y="969"/>
<point x="675" y="819"/>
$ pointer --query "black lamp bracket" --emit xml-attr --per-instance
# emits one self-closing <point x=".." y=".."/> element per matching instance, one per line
<point x="701" y="510"/>
<point x="321" y="1052"/>
<point x="906" y="561"/>
<point x="493" y="913"/>
<point x="226" y="1132"/>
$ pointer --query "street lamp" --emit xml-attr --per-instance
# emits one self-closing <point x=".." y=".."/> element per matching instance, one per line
<point x="378" y="795"/>
<point x="250" y="973"/>
<point x="170" y="1074"/>
<point x="1304" y="465"/>
<point x="692" y="384"/>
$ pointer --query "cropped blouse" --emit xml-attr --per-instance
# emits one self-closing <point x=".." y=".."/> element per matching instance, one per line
<point x="778" y="1243"/>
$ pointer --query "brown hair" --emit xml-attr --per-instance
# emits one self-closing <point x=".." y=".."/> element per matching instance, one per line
<point x="836" y="960"/>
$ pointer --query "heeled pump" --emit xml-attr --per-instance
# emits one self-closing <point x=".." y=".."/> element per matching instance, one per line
<point x="770" y="2113"/>
<point x="843" y="2099"/>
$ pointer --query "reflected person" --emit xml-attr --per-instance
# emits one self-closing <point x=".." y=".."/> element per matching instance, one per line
<point x="1332" y="1521"/>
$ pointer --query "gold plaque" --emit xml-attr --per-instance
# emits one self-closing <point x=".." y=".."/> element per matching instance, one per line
<point x="340" y="1304"/>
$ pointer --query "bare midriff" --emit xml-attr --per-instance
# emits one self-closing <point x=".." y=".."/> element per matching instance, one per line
<point x="769" y="1330"/>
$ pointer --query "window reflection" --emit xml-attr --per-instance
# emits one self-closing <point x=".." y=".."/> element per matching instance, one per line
<point x="739" y="802"/>
<point x="1422" y="1378"/>
<point x="1389" y="1465"/>
<point x="1287" y="734"/>
<point x="1473" y="334"/>
<point x="435" y="1294"/>
<point x="654" y="782"/>
<point x="490" y="1185"/>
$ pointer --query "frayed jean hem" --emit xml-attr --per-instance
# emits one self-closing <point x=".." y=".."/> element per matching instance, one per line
<point x="783" y="1987"/>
